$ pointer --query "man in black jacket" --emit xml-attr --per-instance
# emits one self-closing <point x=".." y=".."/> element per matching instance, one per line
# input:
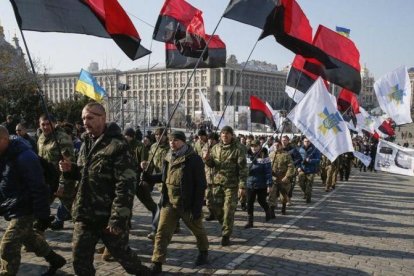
<point x="24" y="196"/>
<point x="183" y="186"/>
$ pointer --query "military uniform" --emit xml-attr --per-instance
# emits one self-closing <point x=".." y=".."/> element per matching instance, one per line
<point x="143" y="190"/>
<point x="329" y="171"/>
<point x="48" y="151"/>
<point x="345" y="163"/>
<point x="183" y="190"/>
<point x="308" y="168"/>
<point x="229" y="162"/>
<point x="209" y="191"/>
<point x="198" y="147"/>
<point x="104" y="198"/>
<point x="283" y="170"/>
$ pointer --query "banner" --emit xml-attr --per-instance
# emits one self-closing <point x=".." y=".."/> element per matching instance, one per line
<point x="365" y="159"/>
<point x="394" y="159"/>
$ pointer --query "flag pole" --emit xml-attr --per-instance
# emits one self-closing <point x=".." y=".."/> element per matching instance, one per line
<point x="146" y="90"/>
<point x="234" y="87"/>
<point x="39" y="92"/>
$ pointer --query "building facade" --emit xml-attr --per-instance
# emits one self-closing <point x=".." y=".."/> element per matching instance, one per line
<point x="151" y="96"/>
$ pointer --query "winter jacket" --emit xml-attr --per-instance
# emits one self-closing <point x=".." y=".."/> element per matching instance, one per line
<point x="311" y="158"/>
<point x="260" y="172"/>
<point x="23" y="190"/>
<point x="185" y="176"/>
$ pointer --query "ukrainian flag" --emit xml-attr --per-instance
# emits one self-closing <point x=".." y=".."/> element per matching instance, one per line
<point x="343" y="31"/>
<point x="88" y="86"/>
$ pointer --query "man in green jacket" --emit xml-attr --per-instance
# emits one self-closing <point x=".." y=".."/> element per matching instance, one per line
<point x="228" y="158"/>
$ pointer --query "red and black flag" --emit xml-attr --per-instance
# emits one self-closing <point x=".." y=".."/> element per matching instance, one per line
<point x="299" y="80"/>
<point x="259" y="112"/>
<point x="250" y="12"/>
<point x="347" y="103"/>
<point x="341" y="52"/>
<point x="387" y="127"/>
<point x="181" y="24"/>
<point x="216" y="56"/>
<point x="102" y="18"/>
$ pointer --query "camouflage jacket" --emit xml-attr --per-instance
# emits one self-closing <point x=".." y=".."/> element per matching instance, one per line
<point x="107" y="180"/>
<point x="325" y="162"/>
<point x="282" y="165"/>
<point x="198" y="147"/>
<point x="48" y="151"/>
<point x="229" y="162"/>
<point x="209" y="170"/>
<point x="139" y="153"/>
<point x="158" y="157"/>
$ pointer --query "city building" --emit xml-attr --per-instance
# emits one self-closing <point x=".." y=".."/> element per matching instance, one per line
<point x="139" y="95"/>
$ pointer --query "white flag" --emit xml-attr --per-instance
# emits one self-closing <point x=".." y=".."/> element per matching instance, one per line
<point x="208" y="111"/>
<point x="394" y="159"/>
<point x="394" y="95"/>
<point x="277" y="117"/>
<point x="319" y="120"/>
<point x="365" y="159"/>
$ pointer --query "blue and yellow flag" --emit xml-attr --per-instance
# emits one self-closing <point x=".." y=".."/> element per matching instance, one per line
<point x="343" y="31"/>
<point x="88" y="86"/>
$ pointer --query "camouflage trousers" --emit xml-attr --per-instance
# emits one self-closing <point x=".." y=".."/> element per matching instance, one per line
<point x="169" y="217"/>
<point x="85" y="238"/>
<point x="225" y="203"/>
<point x="209" y="196"/>
<point x="328" y="176"/>
<point x="143" y="192"/>
<point x="306" y="182"/>
<point x="20" y="232"/>
<point x="280" y="190"/>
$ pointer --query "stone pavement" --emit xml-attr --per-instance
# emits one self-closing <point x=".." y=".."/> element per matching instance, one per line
<point x="364" y="227"/>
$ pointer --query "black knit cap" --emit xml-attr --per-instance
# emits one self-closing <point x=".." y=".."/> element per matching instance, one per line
<point x="129" y="132"/>
<point x="176" y="134"/>
<point x="202" y="132"/>
<point x="227" y="129"/>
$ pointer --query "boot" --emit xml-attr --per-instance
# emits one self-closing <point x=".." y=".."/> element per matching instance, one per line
<point x="106" y="256"/>
<point x="177" y="228"/>
<point x="202" y="258"/>
<point x="249" y="223"/>
<point x="211" y="216"/>
<point x="283" y="208"/>
<point x="151" y="236"/>
<point x="56" y="261"/>
<point x="308" y="198"/>
<point x="243" y="206"/>
<point x="56" y="225"/>
<point x="268" y="215"/>
<point x="272" y="212"/>
<point x="156" y="268"/>
<point x="225" y="241"/>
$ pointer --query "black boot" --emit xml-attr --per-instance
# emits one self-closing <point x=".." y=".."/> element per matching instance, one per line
<point x="268" y="215"/>
<point x="202" y="258"/>
<point x="272" y="212"/>
<point x="56" y="261"/>
<point x="156" y="268"/>
<point x="249" y="223"/>
<point x="243" y="206"/>
<point x="225" y="241"/>
<point x="283" y="208"/>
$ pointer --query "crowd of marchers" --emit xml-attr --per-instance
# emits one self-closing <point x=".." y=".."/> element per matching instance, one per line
<point x="94" y="170"/>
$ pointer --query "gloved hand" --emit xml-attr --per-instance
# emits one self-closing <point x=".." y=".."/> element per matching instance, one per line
<point x="42" y="224"/>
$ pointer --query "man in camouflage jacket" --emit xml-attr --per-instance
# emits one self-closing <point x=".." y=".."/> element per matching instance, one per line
<point x="48" y="150"/>
<point x="103" y="203"/>
<point x="283" y="170"/>
<point x="228" y="158"/>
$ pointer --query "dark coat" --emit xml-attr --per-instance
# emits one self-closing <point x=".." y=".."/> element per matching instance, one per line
<point x="23" y="190"/>
<point x="192" y="184"/>
<point x="260" y="171"/>
<point x="311" y="158"/>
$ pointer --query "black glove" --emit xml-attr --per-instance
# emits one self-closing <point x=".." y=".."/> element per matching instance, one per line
<point x="42" y="224"/>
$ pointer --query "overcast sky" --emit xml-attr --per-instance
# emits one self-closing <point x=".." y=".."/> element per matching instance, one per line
<point x="383" y="31"/>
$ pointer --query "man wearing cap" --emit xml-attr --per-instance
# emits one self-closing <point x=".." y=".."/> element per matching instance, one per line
<point x="213" y="139"/>
<point x="183" y="186"/>
<point x="202" y="140"/>
<point x="228" y="158"/>
<point x="156" y="155"/>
